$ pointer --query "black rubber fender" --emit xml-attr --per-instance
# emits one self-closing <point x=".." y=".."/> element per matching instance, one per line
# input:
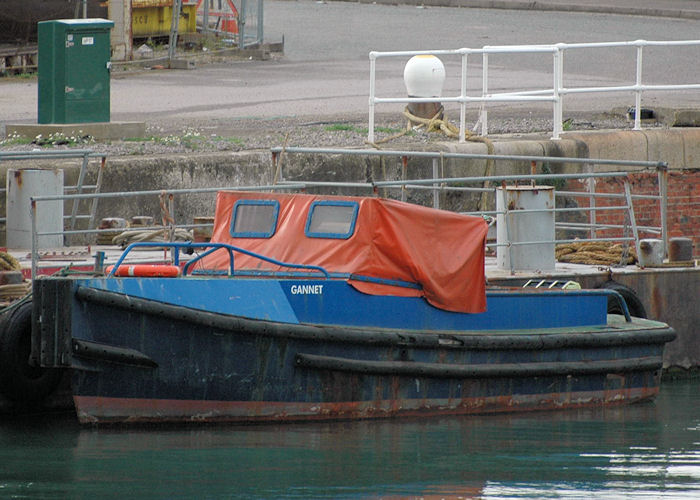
<point x="20" y="381"/>
<point x="634" y="305"/>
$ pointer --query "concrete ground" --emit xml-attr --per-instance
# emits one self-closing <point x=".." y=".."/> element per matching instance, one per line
<point x="323" y="76"/>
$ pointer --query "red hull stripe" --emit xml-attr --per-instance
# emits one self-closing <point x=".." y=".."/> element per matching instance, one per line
<point x="112" y="410"/>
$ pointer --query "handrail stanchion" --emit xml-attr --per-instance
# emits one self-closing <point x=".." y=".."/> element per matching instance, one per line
<point x="372" y="73"/>
<point x="638" y="90"/>
<point x="463" y="101"/>
<point x="436" y="190"/>
<point x="483" y="115"/>
<point x="558" y="56"/>
<point x="591" y="201"/>
<point x="633" y="220"/>
<point x="662" y="173"/>
<point x="404" y="171"/>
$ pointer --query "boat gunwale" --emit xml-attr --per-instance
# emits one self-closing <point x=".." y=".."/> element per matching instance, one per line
<point x="638" y="331"/>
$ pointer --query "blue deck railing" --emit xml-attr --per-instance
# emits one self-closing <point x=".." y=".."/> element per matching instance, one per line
<point x="211" y="248"/>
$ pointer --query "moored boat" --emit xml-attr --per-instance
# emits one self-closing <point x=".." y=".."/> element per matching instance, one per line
<point x="307" y="307"/>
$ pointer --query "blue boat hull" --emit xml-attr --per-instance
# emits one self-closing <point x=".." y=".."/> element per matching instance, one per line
<point x="139" y="355"/>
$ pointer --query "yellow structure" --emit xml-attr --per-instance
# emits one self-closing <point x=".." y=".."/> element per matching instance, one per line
<point x="151" y="18"/>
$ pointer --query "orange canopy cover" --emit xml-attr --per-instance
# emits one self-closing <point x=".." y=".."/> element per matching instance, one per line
<point x="441" y="251"/>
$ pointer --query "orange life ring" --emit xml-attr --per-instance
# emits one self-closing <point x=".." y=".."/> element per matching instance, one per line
<point x="146" y="270"/>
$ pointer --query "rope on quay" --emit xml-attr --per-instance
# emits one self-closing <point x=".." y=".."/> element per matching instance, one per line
<point x="602" y="253"/>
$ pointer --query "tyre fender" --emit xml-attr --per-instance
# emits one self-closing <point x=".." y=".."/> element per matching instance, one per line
<point x="20" y="381"/>
<point x="634" y="305"/>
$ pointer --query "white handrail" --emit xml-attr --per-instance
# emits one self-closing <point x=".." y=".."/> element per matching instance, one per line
<point x="554" y="95"/>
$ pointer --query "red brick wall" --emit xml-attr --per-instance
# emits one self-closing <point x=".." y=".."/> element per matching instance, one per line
<point x="683" y="217"/>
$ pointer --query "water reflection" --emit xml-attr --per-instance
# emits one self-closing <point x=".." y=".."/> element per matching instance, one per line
<point x="646" y="450"/>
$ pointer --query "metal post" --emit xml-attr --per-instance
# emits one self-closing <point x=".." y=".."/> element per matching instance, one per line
<point x="630" y="211"/>
<point x="260" y="22"/>
<point x="205" y="20"/>
<point x="241" y="24"/>
<point x="463" y="102"/>
<point x="372" y="72"/>
<point x="171" y="208"/>
<point x="84" y="9"/>
<point x="662" y="173"/>
<point x="638" y="91"/>
<point x="591" y="201"/>
<point x="558" y="107"/>
<point x="436" y="191"/>
<point x="483" y="118"/>
<point x="174" y="25"/>
<point x="404" y="168"/>
<point x="506" y="221"/>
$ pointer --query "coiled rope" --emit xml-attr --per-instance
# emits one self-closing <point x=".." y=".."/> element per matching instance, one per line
<point x="12" y="291"/>
<point x="596" y="253"/>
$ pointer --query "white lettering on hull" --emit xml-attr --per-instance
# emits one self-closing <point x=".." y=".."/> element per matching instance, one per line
<point x="307" y="289"/>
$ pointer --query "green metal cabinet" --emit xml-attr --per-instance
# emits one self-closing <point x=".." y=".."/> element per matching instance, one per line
<point x="74" y="63"/>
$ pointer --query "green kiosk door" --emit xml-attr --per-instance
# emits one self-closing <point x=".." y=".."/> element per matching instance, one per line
<point x="74" y="62"/>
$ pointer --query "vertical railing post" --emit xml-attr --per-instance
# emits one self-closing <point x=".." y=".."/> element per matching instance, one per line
<point x="630" y="211"/>
<point x="174" y="27"/>
<point x="558" y="85"/>
<point x="638" y="90"/>
<point x="404" y="169"/>
<point x="261" y="25"/>
<point x="241" y="23"/>
<point x="372" y="70"/>
<point x="436" y="190"/>
<point x="463" y="101"/>
<point x="205" y="19"/>
<point x="591" y="201"/>
<point x="483" y="118"/>
<point x="662" y="173"/>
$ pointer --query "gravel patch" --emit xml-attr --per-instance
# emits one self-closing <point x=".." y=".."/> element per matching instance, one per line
<point x="334" y="132"/>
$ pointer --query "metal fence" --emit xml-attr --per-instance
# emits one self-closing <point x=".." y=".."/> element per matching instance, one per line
<point x="241" y="21"/>
<point x="593" y="200"/>
<point x="555" y="94"/>
<point x="623" y="201"/>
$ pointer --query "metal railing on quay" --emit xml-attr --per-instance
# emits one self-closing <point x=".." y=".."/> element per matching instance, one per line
<point x="555" y="94"/>
<point x="444" y="184"/>
<point x="438" y="185"/>
<point x="37" y="200"/>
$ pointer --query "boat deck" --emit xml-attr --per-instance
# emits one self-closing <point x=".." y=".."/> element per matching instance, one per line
<point x="83" y="258"/>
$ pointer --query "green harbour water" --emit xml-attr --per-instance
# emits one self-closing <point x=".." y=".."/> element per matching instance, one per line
<point x="648" y="450"/>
